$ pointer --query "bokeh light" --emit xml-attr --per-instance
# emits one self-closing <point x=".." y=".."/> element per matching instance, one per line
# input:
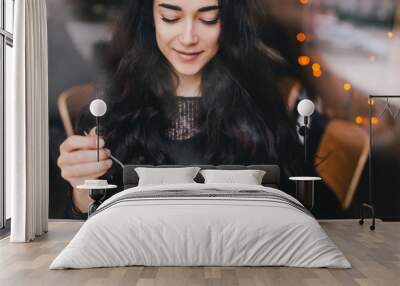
<point x="316" y="67"/>
<point x="359" y="120"/>
<point x="317" y="73"/>
<point x="347" y="86"/>
<point x="301" y="37"/>
<point x="304" y="2"/>
<point x="304" y="60"/>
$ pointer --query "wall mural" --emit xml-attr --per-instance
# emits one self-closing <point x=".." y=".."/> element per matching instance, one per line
<point x="219" y="82"/>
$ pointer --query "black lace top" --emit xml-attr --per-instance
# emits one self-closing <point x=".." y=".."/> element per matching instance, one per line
<point x="182" y="135"/>
<point x="185" y="119"/>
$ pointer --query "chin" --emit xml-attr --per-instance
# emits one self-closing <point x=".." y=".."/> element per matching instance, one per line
<point x="188" y="71"/>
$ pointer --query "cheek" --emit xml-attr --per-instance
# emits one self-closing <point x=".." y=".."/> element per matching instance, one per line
<point x="212" y="38"/>
<point x="164" y="36"/>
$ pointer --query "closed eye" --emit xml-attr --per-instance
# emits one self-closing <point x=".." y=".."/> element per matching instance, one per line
<point x="210" y="22"/>
<point x="169" y="20"/>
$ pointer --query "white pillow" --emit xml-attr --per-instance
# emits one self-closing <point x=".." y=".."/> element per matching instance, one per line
<point x="248" y="177"/>
<point x="162" y="176"/>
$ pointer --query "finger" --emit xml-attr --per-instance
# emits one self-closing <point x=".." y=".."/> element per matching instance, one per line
<point x="93" y="132"/>
<point x="82" y="156"/>
<point x="87" y="169"/>
<point x="76" y="142"/>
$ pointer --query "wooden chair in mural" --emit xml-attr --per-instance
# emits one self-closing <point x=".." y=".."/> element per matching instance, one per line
<point x="341" y="157"/>
<point x="70" y="103"/>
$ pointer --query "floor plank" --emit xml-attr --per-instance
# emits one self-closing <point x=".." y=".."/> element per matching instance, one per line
<point x="375" y="257"/>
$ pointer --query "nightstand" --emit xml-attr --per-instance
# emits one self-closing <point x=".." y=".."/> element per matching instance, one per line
<point x="305" y="190"/>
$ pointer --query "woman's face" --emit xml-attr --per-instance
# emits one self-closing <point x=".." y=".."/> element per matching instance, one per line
<point x="187" y="32"/>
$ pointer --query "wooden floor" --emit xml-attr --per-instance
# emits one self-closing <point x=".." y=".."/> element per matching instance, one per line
<point x="375" y="257"/>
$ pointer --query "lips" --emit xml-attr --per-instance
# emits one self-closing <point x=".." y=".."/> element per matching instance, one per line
<point x="188" y="56"/>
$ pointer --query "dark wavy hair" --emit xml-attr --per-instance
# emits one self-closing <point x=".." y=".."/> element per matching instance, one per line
<point x="244" y="120"/>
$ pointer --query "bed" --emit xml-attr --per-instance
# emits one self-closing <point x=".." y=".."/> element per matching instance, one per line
<point x="198" y="224"/>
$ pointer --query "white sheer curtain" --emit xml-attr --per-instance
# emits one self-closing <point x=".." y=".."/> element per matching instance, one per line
<point x="27" y="124"/>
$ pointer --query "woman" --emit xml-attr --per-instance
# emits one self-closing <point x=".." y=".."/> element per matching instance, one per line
<point x="190" y="82"/>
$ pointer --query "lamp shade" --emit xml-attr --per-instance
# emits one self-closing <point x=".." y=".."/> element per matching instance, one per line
<point x="98" y="107"/>
<point x="306" y="107"/>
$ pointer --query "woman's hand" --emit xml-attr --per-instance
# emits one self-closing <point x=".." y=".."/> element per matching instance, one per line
<point x="78" y="158"/>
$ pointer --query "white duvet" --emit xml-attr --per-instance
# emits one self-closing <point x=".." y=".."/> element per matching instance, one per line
<point x="200" y="231"/>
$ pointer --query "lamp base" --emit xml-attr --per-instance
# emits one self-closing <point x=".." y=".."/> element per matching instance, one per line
<point x="372" y="209"/>
<point x="305" y="193"/>
<point x="97" y="195"/>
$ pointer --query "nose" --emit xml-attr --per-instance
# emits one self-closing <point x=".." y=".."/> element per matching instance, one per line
<point x="189" y="36"/>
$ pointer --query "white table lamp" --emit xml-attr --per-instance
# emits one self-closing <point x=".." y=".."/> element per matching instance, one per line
<point x="98" y="108"/>
<point x="305" y="108"/>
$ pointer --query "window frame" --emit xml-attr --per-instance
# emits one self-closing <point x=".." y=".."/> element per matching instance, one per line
<point x="6" y="39"/>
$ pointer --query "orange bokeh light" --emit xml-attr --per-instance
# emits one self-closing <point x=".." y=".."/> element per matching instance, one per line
<point x="390" y="35"/>
<point x="304" y="60"/>
<point x="317" y="73"/>
<point x="304" y="2"/>
<point x="301" y="37"/>
<point x="374" y="120"/>
<point x="316" y="67"/>
<point x="359" y="120"/>
<point x="371" y="101"/>
<point x="347" y="86"/>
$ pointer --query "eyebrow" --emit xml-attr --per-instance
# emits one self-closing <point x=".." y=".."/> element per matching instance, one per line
<point x="177" y="8"/>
